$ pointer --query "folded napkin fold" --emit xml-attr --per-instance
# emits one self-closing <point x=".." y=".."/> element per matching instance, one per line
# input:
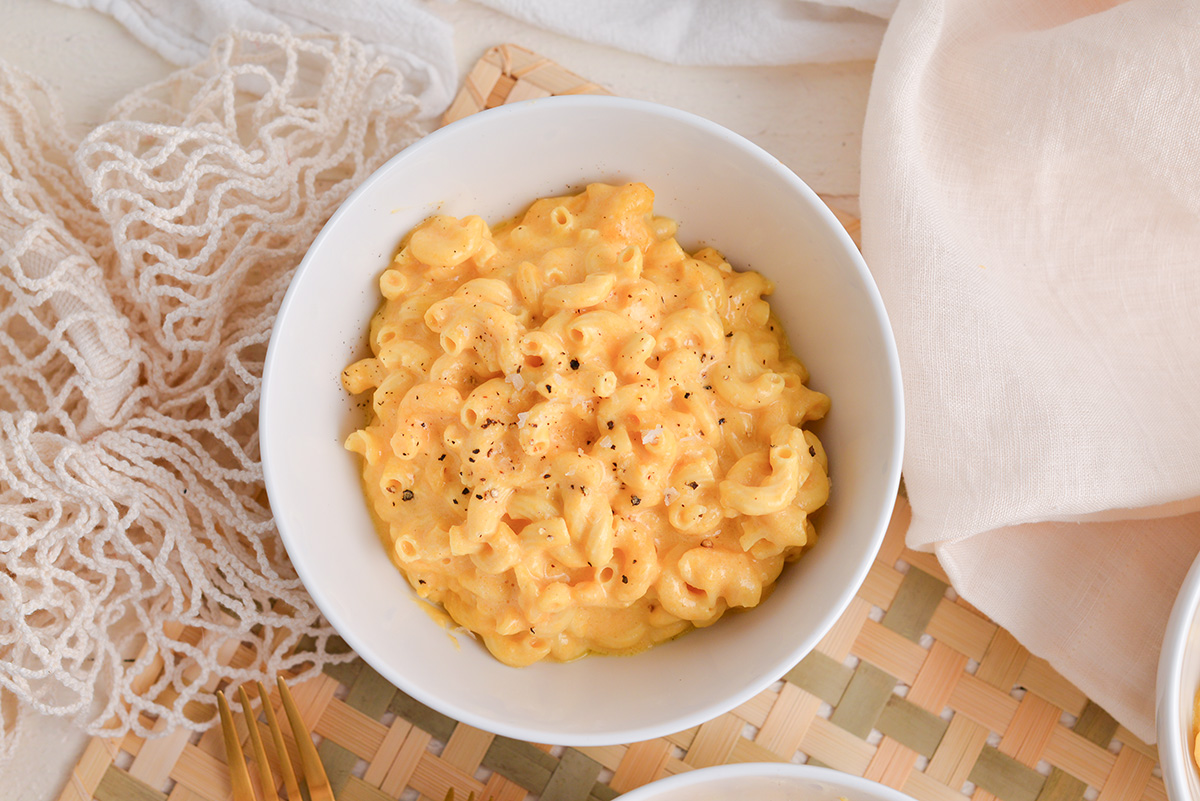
<point x="1031" y="212"/>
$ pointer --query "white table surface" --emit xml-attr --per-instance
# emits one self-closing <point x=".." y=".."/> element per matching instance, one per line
<point x="808" y="116"/>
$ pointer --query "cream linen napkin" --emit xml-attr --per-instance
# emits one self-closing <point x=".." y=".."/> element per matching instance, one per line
<point x="1031" y="212"/>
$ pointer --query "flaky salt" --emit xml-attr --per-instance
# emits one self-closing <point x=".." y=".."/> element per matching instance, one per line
<point x="652" y="436"/>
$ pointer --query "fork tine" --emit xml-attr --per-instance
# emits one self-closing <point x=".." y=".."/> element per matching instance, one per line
<point x="239" y="777"/>
<point x="265" y="778"/>
<point x="314" y="773"/>
<point x="285" y="762"/>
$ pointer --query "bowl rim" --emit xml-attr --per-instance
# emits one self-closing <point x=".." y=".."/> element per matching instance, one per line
<point x="1169" y="686"/>
<point x="803" y="645"/>
<point x="851" y="782"/>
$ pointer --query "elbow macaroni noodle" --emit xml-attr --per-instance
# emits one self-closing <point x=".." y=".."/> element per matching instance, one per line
<point x="583" y="439"/>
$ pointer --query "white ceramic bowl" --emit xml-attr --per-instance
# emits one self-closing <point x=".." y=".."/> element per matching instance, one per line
<point x="723" y="191"/>
<point x="764" y="781"/>
<point x="1178" y="681"/>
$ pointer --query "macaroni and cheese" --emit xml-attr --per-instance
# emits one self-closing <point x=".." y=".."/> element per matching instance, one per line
<point x="582" y="438"/>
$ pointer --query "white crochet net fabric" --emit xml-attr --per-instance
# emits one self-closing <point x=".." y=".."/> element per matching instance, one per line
<point x="140" y="272"/>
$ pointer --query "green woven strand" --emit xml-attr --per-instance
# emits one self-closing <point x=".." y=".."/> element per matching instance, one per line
<point x="117" y="785"/>
<point x="914" y="604"/>
<point x="865" y="697"/>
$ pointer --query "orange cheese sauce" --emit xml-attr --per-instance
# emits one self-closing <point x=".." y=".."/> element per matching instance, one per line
<point x="582" y="438"/>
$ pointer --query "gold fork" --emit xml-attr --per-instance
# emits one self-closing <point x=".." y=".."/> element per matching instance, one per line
<point x="310" y="763"/>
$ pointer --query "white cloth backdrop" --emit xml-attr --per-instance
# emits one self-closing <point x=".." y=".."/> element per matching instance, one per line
<point x="718" y="31"/>
<point x="1031" y="211"/>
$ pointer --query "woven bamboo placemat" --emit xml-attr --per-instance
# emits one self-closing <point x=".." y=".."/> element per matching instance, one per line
<point x="912" y="687"/>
